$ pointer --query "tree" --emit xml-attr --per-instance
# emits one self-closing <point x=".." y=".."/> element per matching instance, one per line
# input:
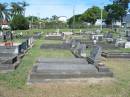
<point x="115" y="13"/>
<point x="54" y="18"/>
<point x="123" y="3"/>
<point x="4" y="15"/>
<point x="91" y="15"/>
<point x="76" y="21"/>
<point x="16" y="9"/>
<point x="24" y="5"/>
<point x="19" y="22"/>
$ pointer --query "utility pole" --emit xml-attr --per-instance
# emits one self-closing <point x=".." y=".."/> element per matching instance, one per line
<point x="73" y="15"/>
<point x="101" y="18"/>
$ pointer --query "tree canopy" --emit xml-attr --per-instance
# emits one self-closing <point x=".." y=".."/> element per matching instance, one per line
<point x="123" y="3"/>
<point x="115" y="12"/>
<point x="19" y="22"/>
<point x="91" y="15"/>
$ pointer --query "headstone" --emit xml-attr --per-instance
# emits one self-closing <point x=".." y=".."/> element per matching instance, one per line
<point x="120" y="43"/>
<point x="96" y="53"/>
<point x="54" y="36"/>
<point x="128" y="38"/>
<point x="82" y="50"/>
<point x="108" y="35"/>
<point x="73" y="43"/>
<point x="127" y="45"/>
<point x="77" y="47"/>
<point x="127" y="33"/>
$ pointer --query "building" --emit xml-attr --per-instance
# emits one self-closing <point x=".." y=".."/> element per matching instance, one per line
<point x="63" y="18"/>
<point x="4" y="24"/>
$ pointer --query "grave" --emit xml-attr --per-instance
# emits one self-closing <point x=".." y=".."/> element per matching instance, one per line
<point x="127" y="45"/>
<point x="108" y="37"/>
<point x="127" y="33"/>
<point x="8" y="62"/>
<point x="50" y="69"/>
<point x="65" y="46"/>
<point x="61" y="60"/>
<point x="128" y="38"/>
<point x="66" y="34"/>
<point x="120" y="43"/>
<point x="79" y="50"/>
<point x="37" y="35"/>
<point x="54" y="36"/>
<point x="14" y="49"/>
<point x="116" y="54"/>
<point x="82" y="51"/>
<point x="97" y="37"/>
<point x="95" y="55"/>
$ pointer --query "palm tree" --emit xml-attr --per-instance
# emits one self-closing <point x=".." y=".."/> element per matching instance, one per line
<point x="3" y="13"/>
<point x="24" y="5"/>
<point x="17" y="9"/>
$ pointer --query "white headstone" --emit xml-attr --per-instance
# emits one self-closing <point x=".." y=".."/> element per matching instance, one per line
<point x="127" y="45"/>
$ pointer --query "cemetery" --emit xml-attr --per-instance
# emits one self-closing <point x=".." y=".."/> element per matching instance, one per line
<point x="70" y="59"/>
<point x="65" y="48"/>
<point x="79" y="66"/>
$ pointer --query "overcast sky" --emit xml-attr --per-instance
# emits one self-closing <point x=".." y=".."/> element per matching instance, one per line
<point x="47" y="8"/>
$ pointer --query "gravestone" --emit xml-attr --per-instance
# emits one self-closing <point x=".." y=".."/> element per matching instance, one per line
<point x="97" y="37"/>
<point x="109" y="35"/>
<point x="95" y="55"/>
<point x="127" y="45"/>
<point x="127" y="33"/>
<point x="82" y="50"/>
<point x="77" y="47"/>
<point x="128" y="39"/>
<point x="120" y="43"/>
<point x="73" y="43"/>
<point x="54" y="36"/>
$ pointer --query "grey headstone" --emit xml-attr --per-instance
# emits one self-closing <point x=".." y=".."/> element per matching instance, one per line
<point x="82" y="50"/>
<point x="127" y="33"/>
<point x="108" y="35"/>
<point x="128" y="39"/>
<point x="96" y="53"/>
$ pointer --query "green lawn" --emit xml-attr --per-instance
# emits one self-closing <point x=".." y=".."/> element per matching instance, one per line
<point x="119" y="50"/>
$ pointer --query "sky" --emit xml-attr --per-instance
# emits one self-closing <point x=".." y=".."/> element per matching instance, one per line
<point x="48" y="8"/>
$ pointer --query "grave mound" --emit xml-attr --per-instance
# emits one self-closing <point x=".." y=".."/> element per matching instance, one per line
<point x="47" y="69"/>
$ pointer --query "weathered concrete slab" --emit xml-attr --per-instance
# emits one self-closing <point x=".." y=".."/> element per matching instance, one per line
<point x="8" y="62"/>
<point x="62" y="60"/>
<point x="56" y="46"/>
<point x="65" y="68"/>
<point x="116" y="54"/>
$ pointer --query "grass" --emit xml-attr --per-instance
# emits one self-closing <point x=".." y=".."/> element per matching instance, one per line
<point x="13" y="84"/>
<point x="19" y="76"/>
<point x="120" y="87"/>
<point x="119" y="50"/>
